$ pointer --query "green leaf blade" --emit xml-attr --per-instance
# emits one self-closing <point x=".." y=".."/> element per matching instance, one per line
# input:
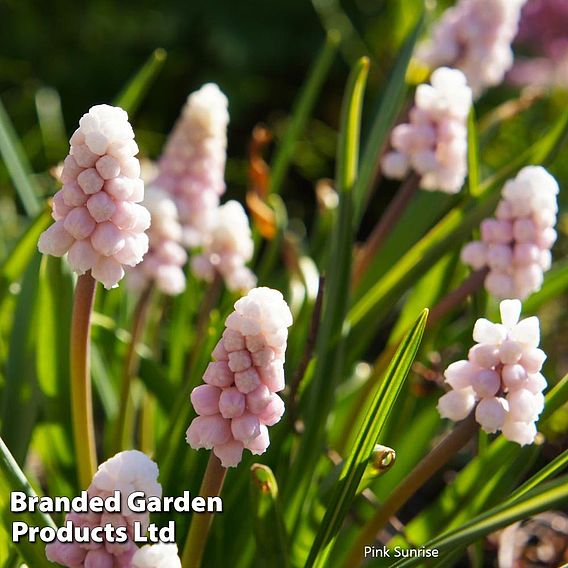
<point x="369" y="432"/>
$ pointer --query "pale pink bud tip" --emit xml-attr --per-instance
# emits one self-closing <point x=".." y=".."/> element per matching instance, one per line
<point x="456" y="404"/>
<point x="157" y="556"/>
<point x="102" y="156"/>
<point x="126" y="472"/>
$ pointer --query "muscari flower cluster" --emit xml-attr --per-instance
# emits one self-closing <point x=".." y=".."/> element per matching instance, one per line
<point x="226" y="249"/>
<point x="157" y="556"/>
<point x="475" y="36"/>
<point x="98" y="219"/>
<point x="191" y="169"/>
<point x="542" y="32"/>
<point x="238" y="400"/>
<point x="515" y="246"/>
<point x="126" y="472"/>
<point x="501" y="377"/>
<point x="165" y="258"/>
<point x="434" y="142"/>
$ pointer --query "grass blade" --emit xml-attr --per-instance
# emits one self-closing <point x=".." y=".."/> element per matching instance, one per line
<point x="391" y="102"/>
<point x="20" y="397"/>
<point x="18" y="166"/>
<point x="15" y="263"/>
<point x="12" y="478"/>
<point x="271" y="541"/>
<point x="132" y="95"/>
<point x="302" y="110"/>
<point x="50" y="115"/>
<point x="558" y="464"/>
<point x="369" y="432"/>
<point x="544" y="497"/>
<point x="472" y="155"/>
<point x="328" y="364"/>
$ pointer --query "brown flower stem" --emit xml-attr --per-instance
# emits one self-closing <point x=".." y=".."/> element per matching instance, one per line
<point x="131" y="363"/>
<point x="429" y="465"/>
<point x="455" y="297"/>
<point x="308" y="352"/>
<point x="382" y="229"/>
<point x="211" y="486"/>
<point x="81" y="396"/>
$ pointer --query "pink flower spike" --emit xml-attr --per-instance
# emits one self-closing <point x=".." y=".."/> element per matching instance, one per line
<point x="126" y="472"/>
<point x="506" y="389"/>
<point x="515" y="246"/>
<point x="248" y="371"/>
<point x="191" y="168"/>
<point x="205" y="400"/>
<point x="475" y="36"/>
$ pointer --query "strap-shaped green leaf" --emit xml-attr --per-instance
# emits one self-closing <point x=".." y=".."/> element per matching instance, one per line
<point x="12" y="478"/>
<point x="329" y="352"/>
<point x="133" y="93"/>
<point x="15" y="263"/>
<point x="270" y="534"/>
<point x="392" y="98"/>
<point x="369" y="432"/>
<point x="18" y="166"/>
<point x="302" y="110"/>
<point x="547" y="496"/>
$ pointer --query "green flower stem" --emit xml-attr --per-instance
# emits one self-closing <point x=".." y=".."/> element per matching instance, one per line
<point x="123" y="436"/>
<point x="382" y="229"/>
<point x="201" y="522"/>
<point x="81" y="397"/>
<point x="429" y="465"/>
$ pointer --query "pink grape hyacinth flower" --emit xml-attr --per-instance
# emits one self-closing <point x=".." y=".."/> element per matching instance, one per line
<point x="163" y="263"/>
<point x="192" y="167"/>
<point x="434" y="143"/>
<point x="238" y="401"/>
<point x="126" y="472"/>
<point x="227" y="247"/>
<point x="515" y="246"/>
<point x="501" y="377"/>
<point x="475" y="36"/>
<point x="157" y="556"/>
<point x="99" y="222"/>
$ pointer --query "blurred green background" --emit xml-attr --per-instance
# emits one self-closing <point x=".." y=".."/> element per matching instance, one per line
<point x="258" y="51"/>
